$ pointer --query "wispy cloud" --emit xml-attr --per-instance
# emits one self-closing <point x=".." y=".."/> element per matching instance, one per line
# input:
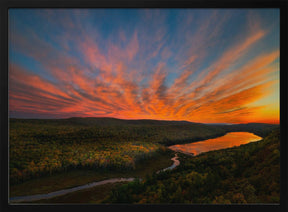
<point x="154" y="68"/>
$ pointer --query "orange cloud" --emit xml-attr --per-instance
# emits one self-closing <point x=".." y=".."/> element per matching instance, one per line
<point x="112" y="84"/>
<point x="232" y="108"/>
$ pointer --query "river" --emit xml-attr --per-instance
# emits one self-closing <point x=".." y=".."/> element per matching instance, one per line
<point x="230" y="139"/>
<point x="36" y="197"/>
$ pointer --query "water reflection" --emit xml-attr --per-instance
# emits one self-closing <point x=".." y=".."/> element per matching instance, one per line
<point x="229" y="140"/>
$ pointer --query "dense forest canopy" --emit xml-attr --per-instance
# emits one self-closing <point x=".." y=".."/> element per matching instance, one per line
<point x="246" y="174"/>
<point x="41" y="147"/>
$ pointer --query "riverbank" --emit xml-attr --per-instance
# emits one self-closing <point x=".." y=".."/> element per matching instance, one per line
<point x="67" y="191"/>
<point x="54" y="194"/>
<point x="229" y="140"/>
<point x="78" y="177"/>
<point x="245" y="174"/>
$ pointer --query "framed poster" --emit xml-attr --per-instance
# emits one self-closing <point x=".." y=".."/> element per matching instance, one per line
<point x="145" y="106"/>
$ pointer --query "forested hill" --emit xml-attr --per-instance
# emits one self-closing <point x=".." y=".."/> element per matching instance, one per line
<point x="106" y="121"/>
<point x="246" y="174"/>
<point x="91" y="121"/>
<point x="159" y="131"/>
<point x="260" y="129"/>
<point x="177" y="127"/>
<point x="121" y="122"/>
<point x="110" y="129"/>
<point x="40" y="147"/>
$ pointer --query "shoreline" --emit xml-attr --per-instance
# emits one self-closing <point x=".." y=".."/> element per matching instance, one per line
<point x="31" y="198"/>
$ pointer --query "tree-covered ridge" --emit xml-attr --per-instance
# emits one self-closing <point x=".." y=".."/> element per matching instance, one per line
<point x="109" y="129"/>
<point x="260" y="129"/>
<point x="246" y="174"/>
<point x="42" y="159"/>
<point x="41" y="147"/>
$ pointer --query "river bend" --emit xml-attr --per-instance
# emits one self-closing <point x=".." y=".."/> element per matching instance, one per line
<point x="31" y="198"/>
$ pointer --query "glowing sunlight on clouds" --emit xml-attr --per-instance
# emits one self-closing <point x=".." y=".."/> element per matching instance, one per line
<point x="143" y="64"/>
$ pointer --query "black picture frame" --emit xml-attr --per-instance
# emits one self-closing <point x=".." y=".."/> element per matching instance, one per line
<point x="5" y="5"/>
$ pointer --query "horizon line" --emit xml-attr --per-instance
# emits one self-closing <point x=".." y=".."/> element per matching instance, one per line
<point x="99" y="117"/>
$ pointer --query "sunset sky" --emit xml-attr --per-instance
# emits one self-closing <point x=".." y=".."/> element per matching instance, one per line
<point x="199" y="65"/>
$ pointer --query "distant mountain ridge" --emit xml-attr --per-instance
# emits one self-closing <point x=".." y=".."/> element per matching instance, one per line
<point x="116" y="121"/>
<point x="261" y="129"/>
<point x="106" y="121"/>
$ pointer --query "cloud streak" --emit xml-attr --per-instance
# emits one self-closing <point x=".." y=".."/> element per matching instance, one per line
<point x="150" y="70"/>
